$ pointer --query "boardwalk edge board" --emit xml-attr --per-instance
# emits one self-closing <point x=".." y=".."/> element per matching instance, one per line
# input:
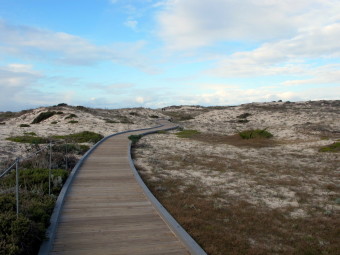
<point x="47" y="244"/>
<point x="185" y="238"/>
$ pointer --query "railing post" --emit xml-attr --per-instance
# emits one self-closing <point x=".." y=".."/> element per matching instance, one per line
<point x="49" y="171"/>
<point x="17" y="184"/>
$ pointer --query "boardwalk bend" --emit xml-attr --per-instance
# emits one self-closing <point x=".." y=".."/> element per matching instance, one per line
<point x="105" y="208"/>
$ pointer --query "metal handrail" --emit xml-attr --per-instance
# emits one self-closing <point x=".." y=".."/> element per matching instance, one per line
<point x="16" y="164"/>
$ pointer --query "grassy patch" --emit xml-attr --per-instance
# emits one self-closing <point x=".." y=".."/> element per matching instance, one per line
<point x="335" y="147"/>
<point x="24" y="125"/>
<point x="82" y="137"/>
<point x="187" y="133"/>
<point x="255" y="133"/>
<point x="43" y="116"/>
<point x="28" y="139"/>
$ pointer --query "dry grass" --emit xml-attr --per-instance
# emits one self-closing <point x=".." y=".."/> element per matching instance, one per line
<point x="257" y="196"/>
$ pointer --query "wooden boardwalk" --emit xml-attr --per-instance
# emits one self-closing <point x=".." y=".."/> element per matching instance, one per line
<point x="106" y="212"/>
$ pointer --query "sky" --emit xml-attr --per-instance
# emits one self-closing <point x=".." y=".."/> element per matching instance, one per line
<point x="156" y="53"/>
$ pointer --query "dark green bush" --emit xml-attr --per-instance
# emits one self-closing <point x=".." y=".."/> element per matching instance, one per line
<point x="71" y="116"/>
<point x="73" y="121"/>
<point x="82" y="137"/>
<point x="154" y="116"/>
<point x="62" y="104"/>
<point x="54" y="122"/>
<point x="135" y="138"/>
<point x="59" y="113"/>
<point x="43" y="116"/>
<point x="24" y="125"/>
<point x="255" y="133"/>
<point x="244" y="115"/>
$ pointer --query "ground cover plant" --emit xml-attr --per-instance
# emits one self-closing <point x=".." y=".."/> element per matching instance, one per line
<point x="28" y="139"/>
<point x="22" y="235"/>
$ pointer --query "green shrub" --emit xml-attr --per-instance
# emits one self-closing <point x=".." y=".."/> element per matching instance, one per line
<point x="82" y="137"/>
<point x="24" y="125"/>
<point x="54" y="122"/>
<point x="255" y="133"/>
<point x="73" y="121"/>
<point x="71" y="116"/>
<point x="37" y="180"/>
<point x="28" y="139"/>
<point x="187" y="133"/>
<point x="43" y="116"/>
<point x="79" y="149"/>
<point x="154" y="116"/>
<point x="2" y="123"/>
<point x="135" y="138"/>
<point x="334" y="147"/>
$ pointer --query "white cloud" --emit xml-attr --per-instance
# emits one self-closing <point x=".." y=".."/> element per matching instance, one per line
<point x="131" y="24"/>
<point x="45" y="45"/>
<point x="185" y="24"/>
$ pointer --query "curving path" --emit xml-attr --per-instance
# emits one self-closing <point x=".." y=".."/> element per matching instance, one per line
<point x="106" y="211"/>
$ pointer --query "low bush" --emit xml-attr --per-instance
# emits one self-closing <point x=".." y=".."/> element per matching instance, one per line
<point x="30" y="133"/>
<point x="154" y="117"/>
<point x="71" y="116"/>
<point x="334" y="147"/>
<point x="54" y="122"/>
<point x="24" y="125"/>
<point x="82" y="137"/>
<point x="73" y="121"/>
<point x="43" y="116"/>
<point x="23" y="235"/>
<point x="255" y="133"/>
<point x="187" y="133"/>
<point x="79" y="149"/>
<point x="110" y="121"/>
<point x="135" y="138"/>
<point x="244" y="115"/>
<point x="59" y="113"/>
<point x="2" y="123"/>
